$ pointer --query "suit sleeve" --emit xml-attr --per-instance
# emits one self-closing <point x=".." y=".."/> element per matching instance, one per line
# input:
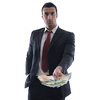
<point x="29" y="56"/>
<point x="68" y="54"/>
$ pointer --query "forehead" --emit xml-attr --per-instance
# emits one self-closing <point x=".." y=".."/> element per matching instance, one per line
<point x="51" y="9"/>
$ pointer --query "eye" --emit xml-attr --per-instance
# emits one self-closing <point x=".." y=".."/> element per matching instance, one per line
<point x="52" y="13"/>
<point x="46" y="14"/>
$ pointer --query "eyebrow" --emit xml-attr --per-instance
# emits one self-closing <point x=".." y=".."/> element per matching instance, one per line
<point x="48" y="13"/>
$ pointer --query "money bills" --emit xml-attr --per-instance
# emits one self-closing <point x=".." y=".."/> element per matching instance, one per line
<point x="51" y="82"/>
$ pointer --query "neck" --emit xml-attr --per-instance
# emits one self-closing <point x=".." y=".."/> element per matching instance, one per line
<point x="50" y="28"/>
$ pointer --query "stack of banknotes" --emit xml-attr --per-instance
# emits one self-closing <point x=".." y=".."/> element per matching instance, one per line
<point x="51" y="82"/>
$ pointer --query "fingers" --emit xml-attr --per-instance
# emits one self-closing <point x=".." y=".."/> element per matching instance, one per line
<point x="57" y="73"/>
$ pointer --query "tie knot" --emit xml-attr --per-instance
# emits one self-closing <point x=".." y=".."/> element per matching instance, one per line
<point x="49" y="32"/>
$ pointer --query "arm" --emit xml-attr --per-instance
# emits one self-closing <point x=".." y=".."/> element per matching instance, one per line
<point x="68" y="57"/>
<point x="29" y="57"/>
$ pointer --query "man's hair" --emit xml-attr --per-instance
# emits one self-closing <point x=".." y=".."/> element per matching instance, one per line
<point x="48" y="5"/>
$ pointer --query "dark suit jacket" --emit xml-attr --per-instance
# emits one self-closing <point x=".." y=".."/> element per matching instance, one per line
<point x="61" y="53"/>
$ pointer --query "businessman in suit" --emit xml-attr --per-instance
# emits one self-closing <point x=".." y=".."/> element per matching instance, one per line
<point x="51" y="52"/>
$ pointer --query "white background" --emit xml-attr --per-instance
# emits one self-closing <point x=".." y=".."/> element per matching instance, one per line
<point x="19" y="17"/>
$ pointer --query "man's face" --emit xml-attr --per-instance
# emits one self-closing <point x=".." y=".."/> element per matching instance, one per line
<point x="49" y="16"/>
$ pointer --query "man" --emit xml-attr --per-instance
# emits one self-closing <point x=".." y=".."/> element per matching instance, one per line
<point x="51" y="52"/>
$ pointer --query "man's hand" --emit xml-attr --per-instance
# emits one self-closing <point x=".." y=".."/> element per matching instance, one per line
<point x="57" y="72"/>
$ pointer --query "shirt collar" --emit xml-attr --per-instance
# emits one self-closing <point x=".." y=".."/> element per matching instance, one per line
<point x="53" y="31"/>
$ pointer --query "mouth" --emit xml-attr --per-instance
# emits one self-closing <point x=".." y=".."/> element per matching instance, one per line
<point x="49" y="22"/>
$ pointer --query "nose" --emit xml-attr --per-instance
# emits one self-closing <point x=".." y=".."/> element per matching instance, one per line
<point x="49" y="16"/>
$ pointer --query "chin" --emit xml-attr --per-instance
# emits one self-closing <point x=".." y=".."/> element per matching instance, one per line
<point x="50" y="25"/>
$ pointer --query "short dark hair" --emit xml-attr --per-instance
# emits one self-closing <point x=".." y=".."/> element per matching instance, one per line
<point x="48" y="5"/>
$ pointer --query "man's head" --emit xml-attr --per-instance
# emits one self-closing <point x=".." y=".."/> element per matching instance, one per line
<point x="48" y="5"/>
<point x="49" y="15"/>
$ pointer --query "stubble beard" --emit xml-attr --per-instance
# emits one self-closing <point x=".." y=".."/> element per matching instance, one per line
<point x="51" y="26"/>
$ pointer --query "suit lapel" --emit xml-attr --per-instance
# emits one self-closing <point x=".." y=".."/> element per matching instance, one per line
<point x="55" y="37"/>
<point x="40" y="33"/>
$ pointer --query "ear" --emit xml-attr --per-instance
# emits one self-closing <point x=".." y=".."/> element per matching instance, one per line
<point x="56" y="15"/>
<point x="42" y="16"/>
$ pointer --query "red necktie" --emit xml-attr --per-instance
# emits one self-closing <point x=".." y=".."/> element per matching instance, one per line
<point x="44" y="63"/>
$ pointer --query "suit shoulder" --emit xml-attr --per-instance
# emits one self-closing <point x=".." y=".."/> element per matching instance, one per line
<point x="34" y="32"/>
<point x="66" y="32"/>
<point x="37" y="30"/>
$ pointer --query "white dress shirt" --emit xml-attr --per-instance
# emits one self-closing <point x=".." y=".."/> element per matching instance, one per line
<point x="40" y="72"/>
